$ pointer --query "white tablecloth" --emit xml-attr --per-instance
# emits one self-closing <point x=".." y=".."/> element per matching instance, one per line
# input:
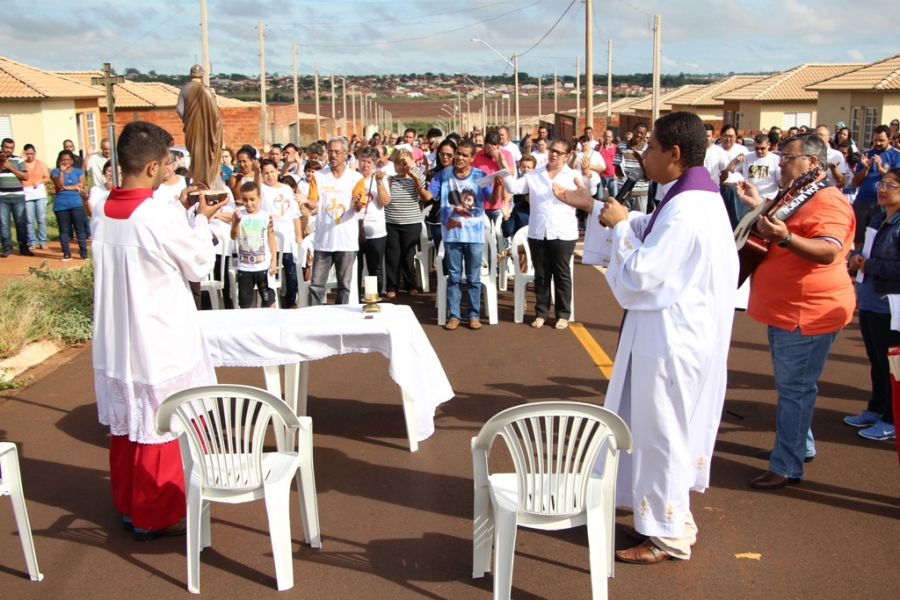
<point x="266" y="337"/>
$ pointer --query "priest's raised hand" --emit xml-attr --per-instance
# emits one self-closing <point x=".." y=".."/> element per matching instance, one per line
<point x="613" y="212"/>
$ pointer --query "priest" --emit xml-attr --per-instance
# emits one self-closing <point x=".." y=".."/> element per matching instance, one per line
<point x="147" y="344"/>
<point x="675" y="273"/>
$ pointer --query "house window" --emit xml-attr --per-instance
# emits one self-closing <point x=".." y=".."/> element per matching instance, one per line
<point x="863" y="121"/>
<point x="5" y="126"/>
<point x="797" y="120"/>
<point x="91" y="127"/>
<point x="729" y="117"/>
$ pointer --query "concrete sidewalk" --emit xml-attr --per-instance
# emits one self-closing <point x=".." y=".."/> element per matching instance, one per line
<point x="397" y="524"/>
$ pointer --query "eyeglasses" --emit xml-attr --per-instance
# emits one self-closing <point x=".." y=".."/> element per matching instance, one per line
<point x="446" y="155"/>
<point x="479" y="145"/>
<point x="887" y="186"/>
<point x="789" y="157"/>
<point x="330" y="152"/>
<point x="557" y="152"/>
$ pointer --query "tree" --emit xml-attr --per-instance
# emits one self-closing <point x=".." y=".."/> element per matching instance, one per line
<point x="131" y="71"/>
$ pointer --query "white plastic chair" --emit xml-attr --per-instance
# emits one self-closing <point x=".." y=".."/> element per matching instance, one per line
<point x="506" y="266"/>
<point x="488" y="280"/>
<point x="423" y="255"/>
<point x="304" y="259"/>
<point x="222" y="431"/>
<point x="521" y="280"/>
<point x="11" y="485"/>
<point x="215" y="288"/>
<point x="279" y="286"/>
<point x="554" y="447"/>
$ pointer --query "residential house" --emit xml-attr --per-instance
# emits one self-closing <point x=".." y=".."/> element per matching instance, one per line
<point x="42" y="108"/>
<point x="703" y="101"/>
<point x="779" y="100"/>
<point x="862" y="98"/>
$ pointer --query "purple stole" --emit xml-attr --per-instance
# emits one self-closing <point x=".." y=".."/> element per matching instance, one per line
<point x="695" y="179"/>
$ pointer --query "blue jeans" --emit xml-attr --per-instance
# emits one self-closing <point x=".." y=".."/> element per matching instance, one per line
<point x="290" y="280"/>
<point x="798" y="361"/>
<point x="68" y="219"/>
<point x="36" y="210"/>
<point x="610" y="184"/>
<point x="455" y="253"/>
<point x="14" y="207"/>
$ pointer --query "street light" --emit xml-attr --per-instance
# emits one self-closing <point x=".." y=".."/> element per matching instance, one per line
<point x="515" y="65"/>
<point x="483" y="101"/>
<point x="449" y="112"/>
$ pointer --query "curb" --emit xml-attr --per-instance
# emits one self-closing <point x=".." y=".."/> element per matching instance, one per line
<point x="29" y="356"/>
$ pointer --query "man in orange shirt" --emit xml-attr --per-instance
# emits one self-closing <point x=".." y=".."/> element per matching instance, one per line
<point x="803" y="293"/>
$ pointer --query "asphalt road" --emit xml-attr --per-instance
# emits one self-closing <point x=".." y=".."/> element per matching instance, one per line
<point x="399" y="525"/>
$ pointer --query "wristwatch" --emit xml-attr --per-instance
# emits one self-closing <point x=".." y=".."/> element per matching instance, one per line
<point x="786" y="241"/>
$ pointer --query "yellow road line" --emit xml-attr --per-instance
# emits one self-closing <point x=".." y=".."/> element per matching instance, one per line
<point x="600" y="358"/>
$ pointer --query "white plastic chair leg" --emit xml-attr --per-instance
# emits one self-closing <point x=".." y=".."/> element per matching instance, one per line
<point x="490" y="293"/>
<point x="273" y="386"/>
<point x="12" y="484"/>
<point x="205" y="529"/>
<point x="442" y="302"/>
<point x="194" y="535"/>
<point x="519" y="302"/>
<point x="483" y="533"/>
<point x="306" y="489"/>
<point x="277" y="499"/>
<point x="504" y="552"/>
<point x="597" y="548"/>
<point x="409" y="414"/>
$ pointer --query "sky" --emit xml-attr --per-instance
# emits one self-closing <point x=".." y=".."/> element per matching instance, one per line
<point x="360" y="37"/>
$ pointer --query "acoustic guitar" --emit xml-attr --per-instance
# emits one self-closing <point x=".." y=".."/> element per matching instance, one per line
<point x="751" y="245"/>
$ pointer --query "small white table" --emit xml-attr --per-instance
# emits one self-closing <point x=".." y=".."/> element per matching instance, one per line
<point x="271" y="339"/>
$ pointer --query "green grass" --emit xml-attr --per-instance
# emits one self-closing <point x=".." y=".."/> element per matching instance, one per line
<point x="48" y="304"/>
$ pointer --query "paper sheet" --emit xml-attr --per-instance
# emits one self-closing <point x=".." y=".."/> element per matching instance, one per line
<point x="867" y="250"/>
<point x="488" y="180"/>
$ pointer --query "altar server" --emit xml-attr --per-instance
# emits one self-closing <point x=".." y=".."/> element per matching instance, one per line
<point x="147" y="344"/>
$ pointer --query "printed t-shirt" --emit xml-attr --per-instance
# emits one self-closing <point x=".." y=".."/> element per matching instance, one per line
<point x="171" y="193"/>
<point x="453" y="191"/>
<point x="488" y="166"/>
<point x="373" y="215"/>
<point x="280" y="203"/>
<point x="336" y="228"/>
<point x="787" y="291"/>
<point x="763" y="172"/>
<point x="736" y="150"/>
<point x="253" y="241"/>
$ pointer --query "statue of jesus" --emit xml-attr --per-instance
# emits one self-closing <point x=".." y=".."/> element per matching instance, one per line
<point x="203" y="133"/>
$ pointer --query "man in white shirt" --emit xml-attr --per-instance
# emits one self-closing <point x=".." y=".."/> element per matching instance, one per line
<point x="716" y="160"/>
<point x="96" y="161"/>
<point x="278" y="200"/>
<point x="342" y="194"/>
<point x="169" y="190"/>
<point x="506" y="144"/>
<point x="147" y="343"/>
<point x="729" y="176"/>
<point x="836" y="165"/>
<point x="762" y="169"/>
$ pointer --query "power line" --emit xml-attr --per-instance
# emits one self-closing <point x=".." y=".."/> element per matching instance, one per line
<point x="422" y="37"/>
<point x="543" y="37"/>
<point x="368" y="22"/>
<point x="170" y="17"/>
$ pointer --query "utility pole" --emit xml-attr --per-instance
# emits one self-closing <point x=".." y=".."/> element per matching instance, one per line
<point x="204" y="41"/>
<point x="555" y="94"/>
<point x="588" y="65"/>
<point x="344" y="98"/>
<point x="609" y="86"/>
<point x="459" y="111"/>
<point x="539" y="101"/>
<point x="107" y="81"/>
<point x="264" y="121"/>
<point x="333" y="111"/>
<point x="516" y="65"/>
<point x="296" y="96"/>
<point x="318" y="108"/>
<point x="483" y="109"/>
<point x="577" y="93"/>
<point x="657" y="48"/>
<point x="353" y="108"/>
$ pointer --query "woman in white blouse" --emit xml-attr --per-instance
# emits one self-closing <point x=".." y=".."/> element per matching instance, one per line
<point x="552" y="228"/>
<point x="373" y="215"/>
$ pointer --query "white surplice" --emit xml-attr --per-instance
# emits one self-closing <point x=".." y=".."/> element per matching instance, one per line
<point x="147" y="343"/>
<point x="670" y="372"/>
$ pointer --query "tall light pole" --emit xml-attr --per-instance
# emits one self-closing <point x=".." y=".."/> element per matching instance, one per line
<point x="353" y="108"/>
<point x="296" y="97"/>
<point x="333" y="111"/>
<point x="344" y="98"/>
<point x="318" y="108"/>
<point x="514" y="63"/>
<point x="588" y="66"/>
<point x="264" y="121"/>
<point x="609" y="86"/>
<point x="657" y="47"/>
<point x="204" y="41"/>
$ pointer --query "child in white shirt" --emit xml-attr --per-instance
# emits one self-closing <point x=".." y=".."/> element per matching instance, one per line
<point x="254" y="233"/>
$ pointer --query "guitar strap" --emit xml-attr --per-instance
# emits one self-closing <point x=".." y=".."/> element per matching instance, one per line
<point x="787" y="210"/>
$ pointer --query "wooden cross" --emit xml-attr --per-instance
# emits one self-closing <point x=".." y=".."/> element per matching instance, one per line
<point x="107" y="81"/>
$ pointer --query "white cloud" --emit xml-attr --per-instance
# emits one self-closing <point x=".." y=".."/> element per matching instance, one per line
<point x="856" y="55"/>
<point x="667" y="62"/>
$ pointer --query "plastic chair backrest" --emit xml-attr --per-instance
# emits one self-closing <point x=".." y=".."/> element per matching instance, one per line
<point x="306" y="252"/>
<point x="226" y="428"/>
<point x="521" y="239"/>
<point x="554" y="446"/>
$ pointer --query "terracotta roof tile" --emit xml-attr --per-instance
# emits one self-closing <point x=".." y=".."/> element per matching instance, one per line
<point x="882" y="75"/>
<point x="18" y="80"/>
<point x="148" y="94"/>
<point x="646" y="103"/>
<point x="789" y="85"/>
<point x="706" y="95"/>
